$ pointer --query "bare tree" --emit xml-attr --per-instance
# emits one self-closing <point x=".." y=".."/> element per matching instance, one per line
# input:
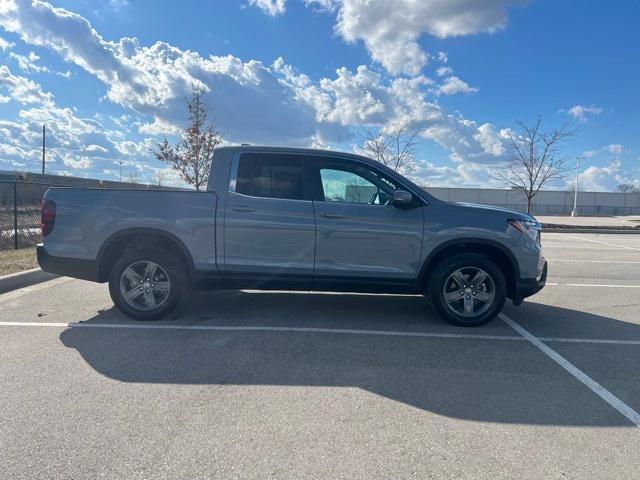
<point x="193" y="155"/>
<point x="628" y="188"/>
<point x="394" y="147"/>
<point x="535" y="157"/>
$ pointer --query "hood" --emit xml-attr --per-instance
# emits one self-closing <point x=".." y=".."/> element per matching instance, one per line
<point x="510" y="213"/>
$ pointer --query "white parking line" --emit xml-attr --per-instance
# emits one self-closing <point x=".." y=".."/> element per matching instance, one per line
<point x="546" y="246"/>
<point x="552" y="284"/>
<point x="604" y="243"/>
<point x="594" y="386"/>
<point x="588" y="261"/>
<point x="234" y="328"/>
<point x="258" y="328"/>
<point x="590" y="340"/>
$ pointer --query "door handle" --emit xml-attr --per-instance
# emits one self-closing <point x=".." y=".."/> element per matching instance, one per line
<point x="331" y="215"/>
<point x="242" y="209"/>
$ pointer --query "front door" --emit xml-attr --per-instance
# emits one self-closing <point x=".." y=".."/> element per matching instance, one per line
<point x="360" y="235"/>
<point x="269" y="226"/>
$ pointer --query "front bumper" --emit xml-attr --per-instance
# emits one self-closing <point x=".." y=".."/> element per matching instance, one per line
<point x="68" y="267"/>
<point x="525" y="287"/>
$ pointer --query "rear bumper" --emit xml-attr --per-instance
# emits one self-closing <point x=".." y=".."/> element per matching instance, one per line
<point x="525" y="287"/>
<point x="68" y="267"/>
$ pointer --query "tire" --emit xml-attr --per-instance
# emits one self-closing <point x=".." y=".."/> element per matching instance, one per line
<point x="475" y="302"/>
<point x="152" y="299"/>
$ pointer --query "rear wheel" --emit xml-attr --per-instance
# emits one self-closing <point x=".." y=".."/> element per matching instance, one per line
<point x="147" y="284"/>
<point x="467" y="289"/>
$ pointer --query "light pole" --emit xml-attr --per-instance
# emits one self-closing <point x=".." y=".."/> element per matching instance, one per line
<point x="43" y="147"/>
<point x="120" y="163"/>
<point x="574" y="212"/>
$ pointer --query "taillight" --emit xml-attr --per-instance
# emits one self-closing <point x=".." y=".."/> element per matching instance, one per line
<point x="48" y="217"/>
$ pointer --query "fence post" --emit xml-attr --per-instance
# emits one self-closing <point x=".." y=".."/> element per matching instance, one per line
<point x="15" y="215"/>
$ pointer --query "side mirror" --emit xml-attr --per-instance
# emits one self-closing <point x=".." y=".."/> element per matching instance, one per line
<point x="402" y="199"/>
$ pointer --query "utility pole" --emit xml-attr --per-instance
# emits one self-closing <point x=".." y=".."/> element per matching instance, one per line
<point x="120" y="162"/>
<point x="43" y="147"/>
<point x="574" y="212"/>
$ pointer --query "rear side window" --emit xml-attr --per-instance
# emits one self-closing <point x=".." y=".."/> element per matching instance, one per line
<point x="271" y="176"/>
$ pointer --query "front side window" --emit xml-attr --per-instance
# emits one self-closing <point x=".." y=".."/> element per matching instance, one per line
<point x="271" y="176"/>
<point x="355" y="184"/>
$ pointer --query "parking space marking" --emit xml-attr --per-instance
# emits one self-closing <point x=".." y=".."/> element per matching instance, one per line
<point x="604" y="243"/>
<point x="258" y="328"/>
<point x="590" y="340"/>
<point x="589" y="261"/>
<point x="234" y="328"/>
<point x="594" y="386"/>
<point x="552" y="284"/>
<point x="546" y="246"/>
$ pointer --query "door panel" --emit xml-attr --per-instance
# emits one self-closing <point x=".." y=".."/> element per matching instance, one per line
<point x="368" y="241"/>
<point x="268" y="241"/>
<point x="359" y="234"/>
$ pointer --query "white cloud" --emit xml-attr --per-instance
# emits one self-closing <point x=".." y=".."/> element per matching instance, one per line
<point x="444" y="71"/>
<point x="581" y="112"/>
<point x="270" y="7"/>
<point x="76" y="162"/>
<point x="453" y="85"/>
<point x="443" y="57"/>
<point x="72" y="140"/>
<point x="66" y="74"/>
<point x="5" y="45"/>
<point x="390" y="29"/>
<point x="323" y="5"/>
<point x="28" y="63"/>
<point x="23" y="90"/>
<point x="95" y="148"/>
<point x="602" y="178"/>
<point x="614" y="148"/>
<point x="364" y="98"/>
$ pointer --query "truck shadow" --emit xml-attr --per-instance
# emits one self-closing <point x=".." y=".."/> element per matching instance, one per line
<point x="506" y="381"/>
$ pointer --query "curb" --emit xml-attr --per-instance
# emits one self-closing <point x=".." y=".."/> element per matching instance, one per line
<point x="14" y="281"/>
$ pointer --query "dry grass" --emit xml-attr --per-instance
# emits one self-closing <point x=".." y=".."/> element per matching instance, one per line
<point x="12" y="261"/>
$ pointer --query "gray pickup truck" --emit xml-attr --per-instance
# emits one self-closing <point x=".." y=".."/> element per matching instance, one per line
<point x="293" y="219"/>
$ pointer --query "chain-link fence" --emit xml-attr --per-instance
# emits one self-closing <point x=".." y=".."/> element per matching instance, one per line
<point x="20" y="214"/>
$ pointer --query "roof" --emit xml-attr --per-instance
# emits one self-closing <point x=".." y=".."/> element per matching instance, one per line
<point x="300" y="150"/>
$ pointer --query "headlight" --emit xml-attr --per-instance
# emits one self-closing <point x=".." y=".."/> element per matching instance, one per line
<point x="528" y="227"/>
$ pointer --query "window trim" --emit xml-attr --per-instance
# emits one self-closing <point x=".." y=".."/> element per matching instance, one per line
<point x="233" y="176"/>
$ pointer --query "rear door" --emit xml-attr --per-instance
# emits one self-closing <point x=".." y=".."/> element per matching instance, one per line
<point x="269" y="229"/>
<point x="360" y="236"/>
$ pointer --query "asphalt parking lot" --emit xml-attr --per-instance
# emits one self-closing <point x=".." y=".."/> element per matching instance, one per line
<point x="290" y="385"/>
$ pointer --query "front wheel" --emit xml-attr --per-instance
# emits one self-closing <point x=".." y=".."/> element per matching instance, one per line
<point x="146" y="284"/>
<point x="468" y="289"/>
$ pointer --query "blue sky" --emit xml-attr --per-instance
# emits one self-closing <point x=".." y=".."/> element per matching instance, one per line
<point x="109" y="78"/>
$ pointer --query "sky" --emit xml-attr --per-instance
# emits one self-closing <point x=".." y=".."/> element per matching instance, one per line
<point x="109" y="79"/>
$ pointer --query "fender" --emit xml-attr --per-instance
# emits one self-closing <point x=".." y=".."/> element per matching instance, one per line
<point x="468" y="241"/>
<point x="146" y="231"/>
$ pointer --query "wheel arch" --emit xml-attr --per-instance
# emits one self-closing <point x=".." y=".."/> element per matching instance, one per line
<point x="122" y="240"/>
<point x="497" y="252"/>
